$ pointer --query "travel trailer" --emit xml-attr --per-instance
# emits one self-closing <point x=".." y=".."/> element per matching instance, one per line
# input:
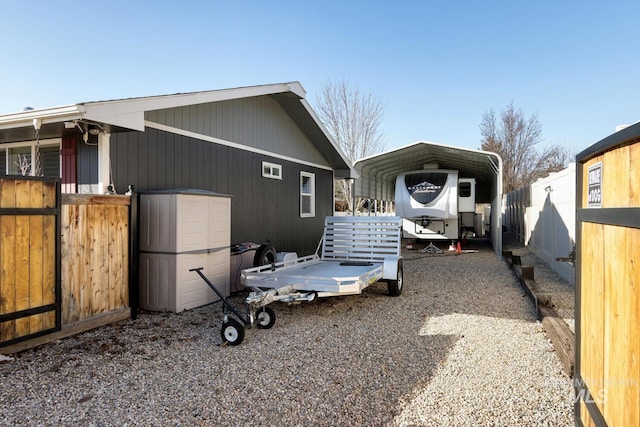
<point x="435" y="204"/>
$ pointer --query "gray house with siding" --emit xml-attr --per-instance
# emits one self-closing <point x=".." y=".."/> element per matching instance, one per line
<point x="263" y="145"/>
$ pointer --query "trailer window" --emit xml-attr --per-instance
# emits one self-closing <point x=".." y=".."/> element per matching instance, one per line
<point x="464" y="189"/>
<point x="307" y="194"/>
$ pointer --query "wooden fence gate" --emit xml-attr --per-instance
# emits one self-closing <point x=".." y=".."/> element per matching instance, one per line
<point x="608" y="282"/>
<point x="30" y="290"/>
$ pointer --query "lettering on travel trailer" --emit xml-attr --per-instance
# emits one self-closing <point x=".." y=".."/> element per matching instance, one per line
<point x="435" y="204"/>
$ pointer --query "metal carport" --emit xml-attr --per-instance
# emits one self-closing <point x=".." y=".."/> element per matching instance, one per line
<point x="378" y="174"/>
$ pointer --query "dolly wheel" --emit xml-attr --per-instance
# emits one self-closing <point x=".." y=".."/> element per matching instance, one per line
<point x="232" y="331"/>
<point x="265" y="317"/>
<point x="394" y="287"/>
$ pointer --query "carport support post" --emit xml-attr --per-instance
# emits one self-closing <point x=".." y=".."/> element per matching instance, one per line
<point x="353" y="197"/>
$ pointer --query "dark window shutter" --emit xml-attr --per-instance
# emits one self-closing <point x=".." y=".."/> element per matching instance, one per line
<point x="69" y="169"/>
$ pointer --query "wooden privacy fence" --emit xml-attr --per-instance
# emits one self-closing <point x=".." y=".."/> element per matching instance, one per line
<point x="608" y="282"/>
<point x="29" y="244"/>
<point x="65" y="261"/>
<point x="95" y="256"/>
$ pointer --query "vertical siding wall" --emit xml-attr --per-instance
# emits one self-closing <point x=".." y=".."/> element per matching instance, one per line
<point x="515" y="205"/>
<point x="87" y="166"/>
<point x="257" y="122"/>
<point x="178" y="151"/>
<point x="608" y="327"/>
<point x="542" y="216"/>
<point x="261" y="208"/>
<point x="95" y="256"/>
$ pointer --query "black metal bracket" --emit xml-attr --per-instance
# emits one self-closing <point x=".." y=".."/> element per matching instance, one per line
<point x="224" y="300"/>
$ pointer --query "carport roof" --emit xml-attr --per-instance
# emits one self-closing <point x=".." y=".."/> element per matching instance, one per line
<point x="378" y="173"/>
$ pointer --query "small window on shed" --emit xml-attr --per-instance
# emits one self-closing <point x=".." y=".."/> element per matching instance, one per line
<point x="271" y="170"/>
<point x="464" y="189"/>
<point x="307" y="195"/>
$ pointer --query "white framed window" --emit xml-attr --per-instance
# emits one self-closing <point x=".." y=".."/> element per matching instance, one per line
<point x="17" y="158"/>
<point x="464" y="189"/>
<point x="271" y="170"/>
<point x="307" y="194"/>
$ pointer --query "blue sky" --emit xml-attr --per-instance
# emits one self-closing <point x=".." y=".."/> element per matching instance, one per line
<point x="435" y="66"/>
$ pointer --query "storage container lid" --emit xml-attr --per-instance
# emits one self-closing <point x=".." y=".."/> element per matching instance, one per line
<point x="189" y="191"/>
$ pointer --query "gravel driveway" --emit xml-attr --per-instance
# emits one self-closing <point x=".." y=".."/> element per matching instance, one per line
<point x="460" y="346"/>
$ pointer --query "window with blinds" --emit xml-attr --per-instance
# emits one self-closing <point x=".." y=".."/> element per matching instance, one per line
<point x="307" y="194"/>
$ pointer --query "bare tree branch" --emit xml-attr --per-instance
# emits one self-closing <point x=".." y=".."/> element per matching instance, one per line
<point x="23" y="163"/>
<point x="353" y="119"/>
<point x="515" y="139"/>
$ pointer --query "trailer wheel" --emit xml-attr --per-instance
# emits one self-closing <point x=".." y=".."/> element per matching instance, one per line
<point x="265" y="318"/>
<point x="394" y="287"/>
<point x="232" y="331"/>
<point x="265" y="254"/>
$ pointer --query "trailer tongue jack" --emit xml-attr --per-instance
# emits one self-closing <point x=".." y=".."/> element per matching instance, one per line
<point x="257" y="314"/>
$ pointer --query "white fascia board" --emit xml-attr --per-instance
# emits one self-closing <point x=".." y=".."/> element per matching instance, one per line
<point x="194" y="135"/>
<point x="45" y="115"/>
<point x="129" y="113"/>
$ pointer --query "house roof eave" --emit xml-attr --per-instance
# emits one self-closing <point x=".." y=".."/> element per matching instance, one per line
<point x="128" y="113"/>
<point x="43" y="115"/>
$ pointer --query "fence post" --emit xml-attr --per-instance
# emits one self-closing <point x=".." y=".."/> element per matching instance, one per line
<point x="134" y="289"/>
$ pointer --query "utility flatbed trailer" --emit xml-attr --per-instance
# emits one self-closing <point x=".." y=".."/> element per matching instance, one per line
<point x="356" y="252"/>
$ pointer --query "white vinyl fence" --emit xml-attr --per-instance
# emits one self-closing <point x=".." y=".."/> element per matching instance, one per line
<point x="542" y="216"/>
